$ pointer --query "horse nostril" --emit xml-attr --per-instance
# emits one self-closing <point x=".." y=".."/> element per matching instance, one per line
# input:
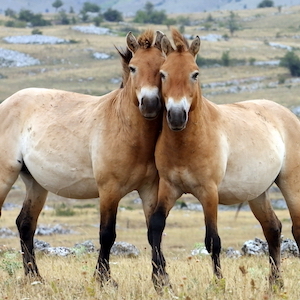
<point x="169" y="115"/>
<point x="184" y="115"/>
<point x="142" y="101"/>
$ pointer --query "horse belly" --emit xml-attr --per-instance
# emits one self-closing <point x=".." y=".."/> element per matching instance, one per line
<point x="248" y="182"/>
<point x="64" y="169"/>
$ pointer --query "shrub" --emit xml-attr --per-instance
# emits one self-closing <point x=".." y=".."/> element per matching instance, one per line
<point x="265" y="3"/>
<point x="36" y="31"/>
<point x="63" y="210"/>
<point x="113" y="15"/>
<point x="292" y="62"/>
<point x="150" y="15"/>
<point x="225" y="58"/>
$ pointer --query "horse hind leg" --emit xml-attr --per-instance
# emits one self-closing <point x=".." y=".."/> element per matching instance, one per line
<point x="27" y="221"/>
<point x="8" y="176"/>
<point x="264" y="213"/>
<point x="289" y="188"/>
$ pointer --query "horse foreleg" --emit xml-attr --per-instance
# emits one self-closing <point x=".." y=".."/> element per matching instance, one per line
<point x="107" y="236"/>
<point x="27" y="221"/>
<point x="167" y="196"/>
<point x="209" y="200"/>
<point x="263" y="211"/>
<point x="157" y="224"/>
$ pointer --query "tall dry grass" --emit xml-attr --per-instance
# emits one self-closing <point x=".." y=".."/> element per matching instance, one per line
<point x="191" y="278"/>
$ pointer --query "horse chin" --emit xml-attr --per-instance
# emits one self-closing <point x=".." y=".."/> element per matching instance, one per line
<point x="176" y="127"/>
<point x="149" y="115"/>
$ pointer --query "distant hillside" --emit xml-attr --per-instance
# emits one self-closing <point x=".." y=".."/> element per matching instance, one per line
<point x="129" y="7"/>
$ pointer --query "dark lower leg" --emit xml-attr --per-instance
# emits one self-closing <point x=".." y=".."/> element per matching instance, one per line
<point x="213" y="246"/>
<point x="107" y="239"/>
<point x="26" y="226"/>
<point x="155" y="230"/>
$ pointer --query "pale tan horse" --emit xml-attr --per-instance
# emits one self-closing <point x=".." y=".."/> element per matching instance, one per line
<point x="81" y="146"/>
<point x="223" y="154"/>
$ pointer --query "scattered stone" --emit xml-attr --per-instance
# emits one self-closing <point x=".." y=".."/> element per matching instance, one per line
<point x="40" y="245"/>
<point x="99" y="55"/>
<point x="6" y="232"/>
<point x="124" y="249"/>
<point x="34" y="39"/>
<point x="255" y="247"/>
<point x="11" y="58"/>
<point x="232" y="253"/>
<point x="10" y="206"/>
<point x="289" y="248"/>
<point x="59" y="251"/>
<point x="92" y="29"/>
<point x="85" y="247"/>
<point x="273" y="63"/>
<point x="281" y="46"/>
<point x="211" y="37"/>
<point x="48" y="230"/>
<point x="199" y="251"/>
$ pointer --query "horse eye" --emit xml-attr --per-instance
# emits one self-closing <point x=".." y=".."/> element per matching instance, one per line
<point x="195" y="75"/>
<point x="162" y="75"/>
<point x="132" y="69"/>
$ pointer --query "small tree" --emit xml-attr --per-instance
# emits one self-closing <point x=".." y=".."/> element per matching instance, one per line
<point x="10" y="13"/>
<point x="90" y="7"/>
<point x="150" y="15"/>
<point x="232" y="23"/>
<point x="97" y="20"/>
<point x="113" y="15"/>
<point x="292" y="62"/>
<point x="57" y="4"/>
<point x="266" y="3"/>
<point x="225" y="59"/>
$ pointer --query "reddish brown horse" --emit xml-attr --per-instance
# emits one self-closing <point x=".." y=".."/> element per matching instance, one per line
<point x="221" y="154"/>
<point x="81" y="146"/>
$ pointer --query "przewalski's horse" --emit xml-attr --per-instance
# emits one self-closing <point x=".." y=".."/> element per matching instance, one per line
<point x="223" y="154"/>
<point x="82" y="146"/>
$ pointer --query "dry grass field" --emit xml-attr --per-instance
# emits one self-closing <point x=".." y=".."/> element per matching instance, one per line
<point x="72" y="67"/>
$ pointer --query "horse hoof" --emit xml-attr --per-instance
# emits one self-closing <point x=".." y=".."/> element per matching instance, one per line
<point x="161" y="283"/>
<point x="276" y="284"/>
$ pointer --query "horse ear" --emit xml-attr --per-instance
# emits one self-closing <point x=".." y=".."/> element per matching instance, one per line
<point x="159" y="36"/>
<point x="195" y="46"/>
<point x="132" y="43"/>
<point x="166" y="45"/>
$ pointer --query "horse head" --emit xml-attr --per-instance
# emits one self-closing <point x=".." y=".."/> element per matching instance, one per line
<point x="179" y="76"/>
<point x="147" y="58"/>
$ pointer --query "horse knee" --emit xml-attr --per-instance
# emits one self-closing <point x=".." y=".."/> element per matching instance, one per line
<point x="25" y="226"/>
<point x="156" y="227"/>
<point x="107" y="236"/>
<point x="213" y="242"/>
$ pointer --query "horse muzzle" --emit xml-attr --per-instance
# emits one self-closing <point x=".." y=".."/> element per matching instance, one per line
<point x="150" y="107"/>
<point x="177" y="118"/>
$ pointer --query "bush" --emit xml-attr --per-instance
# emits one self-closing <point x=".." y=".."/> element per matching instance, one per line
<point x="63" y="210"/>
<point x="34" y="19"/>
<point x="292" y="62"/>
<point x="15" y="23"/>
<point x="113" y="15"/>
<point x="225" y="59"/>
<point x="36" y="31"/>
<point x="150" y="15"/>
<point x="265" y="3"/>
<point x="90" y="7"/>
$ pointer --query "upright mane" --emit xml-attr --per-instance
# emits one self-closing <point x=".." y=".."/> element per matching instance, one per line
<point x="180" y="41"/>
<point x="146" y="39"/>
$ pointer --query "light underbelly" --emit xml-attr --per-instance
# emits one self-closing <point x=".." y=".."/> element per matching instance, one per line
<point x="245" y="187"/>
